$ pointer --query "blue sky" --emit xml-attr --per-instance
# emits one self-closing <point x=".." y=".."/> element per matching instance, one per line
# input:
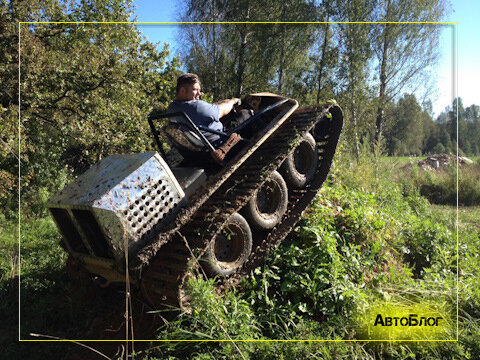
<point x="465" y="12"/>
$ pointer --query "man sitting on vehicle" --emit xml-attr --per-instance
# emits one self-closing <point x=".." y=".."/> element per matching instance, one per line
<point x="201" y="112"/>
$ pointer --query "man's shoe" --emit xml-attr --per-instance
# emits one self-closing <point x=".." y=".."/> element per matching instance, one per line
<point x="219" y="154"/>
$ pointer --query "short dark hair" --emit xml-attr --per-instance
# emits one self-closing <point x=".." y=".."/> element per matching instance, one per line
<point x="187" y="79"/>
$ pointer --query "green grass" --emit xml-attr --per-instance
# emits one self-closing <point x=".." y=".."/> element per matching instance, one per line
<point x="469" y="215"/>
<point x="364" y="241"/>
<point x="440" y="186"/>
<point x="401" y="160"/>
<point x="51" y="303"/>
<point x="353" y="248"/>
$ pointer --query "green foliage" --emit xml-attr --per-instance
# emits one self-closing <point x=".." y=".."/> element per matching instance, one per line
<point x="410" y="129"/>
<point x="42" y="265"/>
<point x="40" y="250"/>
<point x="438" y="149"/>
<point x="8" y="249"/>
<point x="468" y="126"/>
<point x="355" y="245"/>
<point x="429" y="243"/>
<point x="352" y="240"/>
<point x="230" y="58"/>
<point x="86" y="90"/>
<point x="409" y="122"/>
<point x="306" y="278"/>
<point x="312" y="63"/>
<point x="212" y="318"/>
<point x="440" y="186"/>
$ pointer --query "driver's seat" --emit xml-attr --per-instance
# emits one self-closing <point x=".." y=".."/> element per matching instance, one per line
<point x="181" y="137"/>
<point x="189" y="140"/>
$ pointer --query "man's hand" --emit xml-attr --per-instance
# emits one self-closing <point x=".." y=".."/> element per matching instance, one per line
<point x="227" y="105"/>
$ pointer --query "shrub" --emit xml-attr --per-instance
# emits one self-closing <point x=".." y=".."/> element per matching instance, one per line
<point x="428" y="242"/>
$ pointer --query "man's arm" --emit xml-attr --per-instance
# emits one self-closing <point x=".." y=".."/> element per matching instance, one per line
<point x="226" y="105"/>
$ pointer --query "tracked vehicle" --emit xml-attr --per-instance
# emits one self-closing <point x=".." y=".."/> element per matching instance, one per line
<point x="157" y="223"/>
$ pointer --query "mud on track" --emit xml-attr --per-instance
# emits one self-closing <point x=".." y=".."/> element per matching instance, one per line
<point x="166" y="276"/>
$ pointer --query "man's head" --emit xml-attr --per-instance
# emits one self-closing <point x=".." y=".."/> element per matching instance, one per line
<point x="188" y="87"/>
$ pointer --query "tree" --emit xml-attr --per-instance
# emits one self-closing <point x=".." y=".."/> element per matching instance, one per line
<point x="406" y="136"/>
<point x="403" y="51"/>
<point x="367" y="67"/>
<point x="444" y="130"/>
<point x="86" y="89"/>
<point x="324" y="54"/>
<point x="205" y="55"/>
<point x="253" y="56"/>
<point x="353" y="70"/>
<point x="472" y="116"/>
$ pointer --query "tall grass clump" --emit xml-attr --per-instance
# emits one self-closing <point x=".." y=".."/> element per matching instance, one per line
<point x="40" y="251"/>
<point x="212" y="317"/>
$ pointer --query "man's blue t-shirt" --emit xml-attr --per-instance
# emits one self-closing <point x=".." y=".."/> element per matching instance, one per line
<point x="201" y="113"/>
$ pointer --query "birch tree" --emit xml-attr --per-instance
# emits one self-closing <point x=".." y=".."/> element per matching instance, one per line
<point x="404" y="51"/>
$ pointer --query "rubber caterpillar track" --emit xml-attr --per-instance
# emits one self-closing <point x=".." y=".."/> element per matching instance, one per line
<point x="166" y="271"/>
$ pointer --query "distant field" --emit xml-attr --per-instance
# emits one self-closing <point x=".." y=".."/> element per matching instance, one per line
<point x="469" y="215"/>
<point x="403" y="160"/>
<point x="438" y="186"/>
<point x="396" y="162"/>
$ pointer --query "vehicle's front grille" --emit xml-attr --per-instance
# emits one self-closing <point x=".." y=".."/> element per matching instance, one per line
<point x="69" y="231"/>
<point x="92" y="231"/>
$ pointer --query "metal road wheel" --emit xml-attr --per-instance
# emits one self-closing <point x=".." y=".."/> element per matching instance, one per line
<point x="299" y="167"/>
<point x="230" y="248"/>
<point x="268" y="204"/>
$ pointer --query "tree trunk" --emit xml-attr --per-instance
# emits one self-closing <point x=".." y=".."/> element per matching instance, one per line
<point x="214" y="53"/>
<point x="322" y="60"/>
<point x="241" y="61"/>
<point x="241" y="54"/>
<point x="353" y="109"/>
<point x="355" y="129"/>
<point x="282" y="49"/>
<point x="383" y="85"/>
<point x="214" y="50"/>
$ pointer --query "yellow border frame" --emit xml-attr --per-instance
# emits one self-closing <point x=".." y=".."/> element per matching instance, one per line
<point x="223" y="22"/>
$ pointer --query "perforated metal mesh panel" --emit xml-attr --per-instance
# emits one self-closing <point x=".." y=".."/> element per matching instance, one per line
<point x="153" y="206"/>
